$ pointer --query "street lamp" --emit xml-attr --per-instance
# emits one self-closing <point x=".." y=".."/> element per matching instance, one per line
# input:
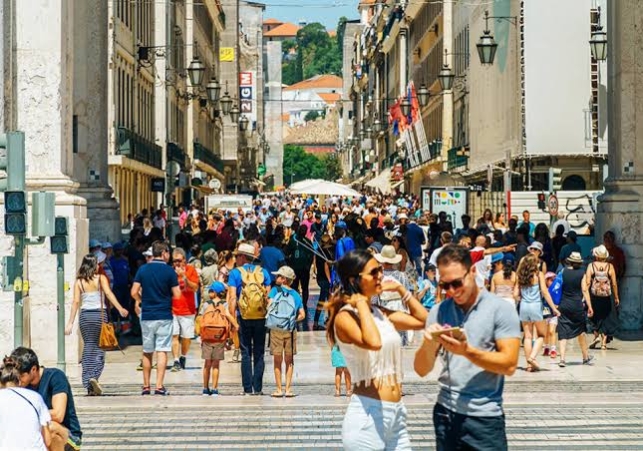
<point x="598" y="44"/>
<point x="234" y="114"/>
<point x="423" y="95"/>
<point x="362" y="134"/>
<point x="446" y="77"/>
<point x="196" y="69"/>
<point x="377" y="125"/>
<point x="243" y="123"/>
<point x="226" y="101"/>
<point x="406" y="107"/>
<point x="213" y="89"/>
<point x="487" y="46"/>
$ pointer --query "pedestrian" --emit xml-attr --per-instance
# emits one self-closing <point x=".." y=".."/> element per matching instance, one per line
<point x="428" y="287"/>
<point x="599" y="286"/>
<point x="531" y="289"/>
<point x="570" y="247"/>
<point x="285" y="309"/>
<point x="154" y="286"/>
<point x="183" y="309"/>
<point x="24" y="417"/>
<point x="247" y="299"/>
<point x="272" y="258"/>
<point x="368" y="338"/>
<point x="469" y="413"/>
<point x="55" y="390"/>
<point x="503" y="279"/>
<point x="536" y="248"/>
<point x="89" y="292"/>
<point x="323" y="264"/>
<point x="572" y="320"/>
<point x="214" y="312"/>
<point x="339" y="363"/>
<point x="552" y="323"/>
<point x="300" y="257"/>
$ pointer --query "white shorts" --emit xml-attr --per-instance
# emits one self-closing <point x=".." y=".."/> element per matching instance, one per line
<point x="553" y="320"/>
<point x="183" y="326"/>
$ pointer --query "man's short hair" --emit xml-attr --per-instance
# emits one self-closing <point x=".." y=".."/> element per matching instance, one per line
<point x="25" y="359"/>
<point x="454" y="253"/>
<point x="158" y="247"/>
<point x="179" y="251"/>
<point x="446" y="237"/>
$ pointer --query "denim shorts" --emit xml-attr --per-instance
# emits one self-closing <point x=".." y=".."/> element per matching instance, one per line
<point x="371" y="424"/>
<point x="157" y="335"/>
<point x="455" y="431"/>
<point x="531" y="311"/>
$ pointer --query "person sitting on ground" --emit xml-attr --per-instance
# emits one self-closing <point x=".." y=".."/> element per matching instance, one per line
<point x="285" y="309"/>
<point x="53" y="386"/>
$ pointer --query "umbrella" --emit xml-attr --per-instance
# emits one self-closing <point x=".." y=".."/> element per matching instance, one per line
<point x="323" y="187"/>
<point x="303" y="184"/>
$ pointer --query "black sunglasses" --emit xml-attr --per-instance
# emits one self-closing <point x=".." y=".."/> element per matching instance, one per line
<point x="455" y="284"/>
<point x="374" y="272"/>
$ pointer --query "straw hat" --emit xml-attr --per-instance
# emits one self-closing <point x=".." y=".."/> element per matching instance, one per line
<point x="600" y="252"/>
<point x="575" y="258"/>
<point x="388" y="255"/>
<point x="245" y="249"/>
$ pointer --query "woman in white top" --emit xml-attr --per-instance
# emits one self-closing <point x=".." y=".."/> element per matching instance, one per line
<point x="88" y="297"/>
<point x="24" y="417"/>
<point x="368" y="337"/>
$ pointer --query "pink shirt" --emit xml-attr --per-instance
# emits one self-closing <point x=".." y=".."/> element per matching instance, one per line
<point x="183" y="217"/>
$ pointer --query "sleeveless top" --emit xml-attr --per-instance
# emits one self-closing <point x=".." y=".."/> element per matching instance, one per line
<point x="530" y="294"/>
<point x="90" y="300"/>
<point x="384" y="365"/>
<point x="506" y="292"/>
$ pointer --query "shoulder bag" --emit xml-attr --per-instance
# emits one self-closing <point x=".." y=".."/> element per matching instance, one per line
<point x="107" y="340"/>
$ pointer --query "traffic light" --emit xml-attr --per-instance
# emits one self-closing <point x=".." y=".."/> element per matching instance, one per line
<point x="12" y="162"/>
<point x="58" y="243"/>
<point x="555" y="179"/>
<point x="541" y="201"/>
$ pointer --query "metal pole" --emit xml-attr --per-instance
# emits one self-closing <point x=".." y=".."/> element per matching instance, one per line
<point x="61" y="310"/>
<point x="18" y="313"/>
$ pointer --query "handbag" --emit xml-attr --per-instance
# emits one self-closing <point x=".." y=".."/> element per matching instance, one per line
<point x="107" y="340"/>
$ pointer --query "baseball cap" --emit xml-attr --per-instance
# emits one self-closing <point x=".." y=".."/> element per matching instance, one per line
<point x="94" y="243"/>
<point x="285" y="271"/>
<point x="497" y="257"/>
<point x="100" y="256"/>
<point x="340" y="225"/>
<point x="119" y="246"/>
<point x="106" y="245"/>
<point x="217" y="287"/>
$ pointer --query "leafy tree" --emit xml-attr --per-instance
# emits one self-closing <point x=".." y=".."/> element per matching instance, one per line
<point x="311" y="116"/>
<point x="333" y="167"/>
<point x="300" y="165"/>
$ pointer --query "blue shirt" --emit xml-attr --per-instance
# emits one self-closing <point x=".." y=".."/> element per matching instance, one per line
<point x="466" y="388"/>
<point x="234" y="279"/>
<point x="414" y="240"/>
<point x="157" y="280"/>
<point x="53" y="382"/>
<point x="271" y="260"/>
<point x="299" y="303"/>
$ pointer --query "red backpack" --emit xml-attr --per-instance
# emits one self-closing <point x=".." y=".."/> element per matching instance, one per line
<point x="215" y="327"/>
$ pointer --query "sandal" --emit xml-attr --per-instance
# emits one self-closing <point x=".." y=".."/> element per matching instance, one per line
<point x="561" y="364"/>
<point x="290" y="394"/>
<point x="338" y="393"/>
<point x="349" y="393"/>
<point x="604" y="348"/>
<point x="594" y="343"/>
<point x="145" y="391"/>
<point x="534" y="364"/>
<point x="277" y="394"/>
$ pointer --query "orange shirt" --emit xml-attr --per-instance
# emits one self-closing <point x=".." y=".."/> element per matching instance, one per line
<point x="186" y="304"/>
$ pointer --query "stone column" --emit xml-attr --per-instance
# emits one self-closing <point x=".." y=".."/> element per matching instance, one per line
<point x="620" y="209"/>
<point x="273" y="110"/>
<point x="40" y="104"/>
<point x="90" y="33"/>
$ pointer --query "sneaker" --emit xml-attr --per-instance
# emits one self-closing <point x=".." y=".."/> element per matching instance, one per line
<point x="176" y="367"/>
<point x="545" y="352"/>
<point x="145" y="391"/>
<point x="140" y="366"/>
<point x="214" y="392"/>
<point x="589" y="360"/>
<point x="95" y="387"/>
<point x="257" y="393"/>
<point x="553" y="354"/>
<point x="182" y="362"/>
<point x="206" y="392"/>
<point x="161" y="391"/>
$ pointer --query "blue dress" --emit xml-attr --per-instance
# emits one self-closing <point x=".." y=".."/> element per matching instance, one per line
<point x="337" y="358"/>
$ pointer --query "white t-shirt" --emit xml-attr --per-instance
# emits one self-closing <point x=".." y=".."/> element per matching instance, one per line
<point x="483" y="266"/>
<point x="20" y="425"/>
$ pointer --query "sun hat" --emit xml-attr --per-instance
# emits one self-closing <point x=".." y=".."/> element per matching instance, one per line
<point x="600" y="252"/>
<point x="388" y="255"/>
<point x="217" y="287"/>
<point x="402" y="216"/>
<point x="575" y="258"/>
<point x="245" y="249"/>
<point x="285" y="271"/>
<point x="537" y="245"/>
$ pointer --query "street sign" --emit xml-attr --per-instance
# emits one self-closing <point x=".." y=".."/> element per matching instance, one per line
<point x="552" y="205"/>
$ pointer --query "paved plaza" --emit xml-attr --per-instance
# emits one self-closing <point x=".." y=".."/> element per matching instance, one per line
<point x="597" y="407"/>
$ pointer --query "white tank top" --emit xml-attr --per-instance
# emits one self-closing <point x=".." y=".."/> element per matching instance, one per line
<point x="384" y="365"/>
<point x="90" y="300"/>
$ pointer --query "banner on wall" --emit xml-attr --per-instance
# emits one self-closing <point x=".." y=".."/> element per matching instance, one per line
<point x="452" y="201"/>
<point x="248" y="95"/>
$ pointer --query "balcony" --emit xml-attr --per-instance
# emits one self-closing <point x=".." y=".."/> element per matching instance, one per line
<point x="205" y="155"/>
<point x="175" y="153"/>
<point x="134" y="146"/>
<point x="458" y="157"/>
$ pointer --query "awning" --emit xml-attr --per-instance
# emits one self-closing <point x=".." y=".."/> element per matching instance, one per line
<point x="382" y="182"/>
<point x="358" y="181"/>
<point x="396" y="184"/>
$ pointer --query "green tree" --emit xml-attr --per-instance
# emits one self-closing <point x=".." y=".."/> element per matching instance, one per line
<point x="333" y="167"/>
<point x="300" y="165"/>
<point x="311" y="116"/>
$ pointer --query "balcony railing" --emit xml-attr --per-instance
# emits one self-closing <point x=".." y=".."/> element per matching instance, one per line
<point x="134" y="146"/>
<point x="457" y="157"/>
<point x="208" y="157"/>
<point x="176" y="153"/>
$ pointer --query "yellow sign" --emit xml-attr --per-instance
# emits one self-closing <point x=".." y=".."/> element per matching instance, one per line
<point x="226" y="54"/>
<point x="66" y="286"/>
<point x="25" y="286"/>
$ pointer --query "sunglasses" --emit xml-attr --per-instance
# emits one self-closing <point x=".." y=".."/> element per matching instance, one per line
<point x="178" y="260"/>
<point x="374" y="273"/>
<point x="455" y="284"/>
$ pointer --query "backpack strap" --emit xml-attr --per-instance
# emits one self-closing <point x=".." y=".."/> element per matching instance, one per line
<point x="30" y="403"/>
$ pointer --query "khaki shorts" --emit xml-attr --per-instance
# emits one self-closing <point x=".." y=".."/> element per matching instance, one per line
<point x="213" y="351"/>
<point x="283" y="342"/>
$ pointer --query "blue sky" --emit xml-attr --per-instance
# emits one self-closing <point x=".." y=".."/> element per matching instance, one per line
<point x="326" y="12"/>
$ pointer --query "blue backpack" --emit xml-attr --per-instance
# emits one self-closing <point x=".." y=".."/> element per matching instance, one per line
<point x="556" y="288"/>
<point x="282" y="312"/>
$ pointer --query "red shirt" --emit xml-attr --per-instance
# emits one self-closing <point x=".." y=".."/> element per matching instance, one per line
<point x="186" y="304"/>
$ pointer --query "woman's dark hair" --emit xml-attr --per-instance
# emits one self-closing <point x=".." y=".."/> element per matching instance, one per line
<point x="541" y="230"/>
<point x="507" y="269"/>
<point x="348" y="269"/>
<point x="88" y="268"/>
<point x="454" y="253"/>
<point x="9" y="373"/>
<point x="490" y="216"/>
<point x="25" y="359"/>
<point x="195" y="250"/>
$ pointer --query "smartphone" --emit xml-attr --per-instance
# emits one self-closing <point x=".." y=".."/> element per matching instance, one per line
<point x="456" y="332"/>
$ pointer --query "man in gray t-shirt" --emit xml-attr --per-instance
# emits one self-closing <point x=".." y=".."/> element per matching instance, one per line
<point x="468" y="413"/>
